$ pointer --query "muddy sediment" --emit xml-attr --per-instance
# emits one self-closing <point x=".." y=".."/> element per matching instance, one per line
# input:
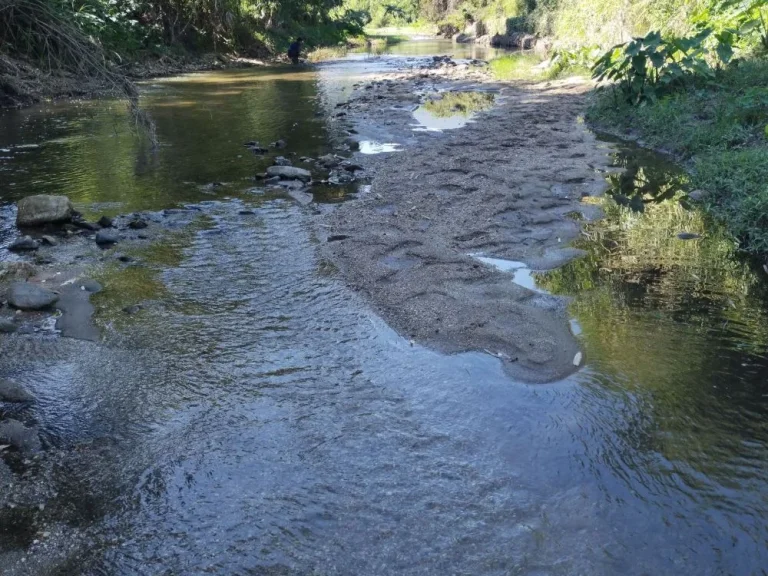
<point x="509" y="185"/>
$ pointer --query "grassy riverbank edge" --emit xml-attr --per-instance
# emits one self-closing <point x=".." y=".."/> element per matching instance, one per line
<point x="718" y="131"/>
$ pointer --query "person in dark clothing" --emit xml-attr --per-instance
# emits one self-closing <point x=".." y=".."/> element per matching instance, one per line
<point x="294" y="50"/>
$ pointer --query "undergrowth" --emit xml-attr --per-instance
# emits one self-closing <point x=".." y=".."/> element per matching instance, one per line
<point x="719" y="129"/>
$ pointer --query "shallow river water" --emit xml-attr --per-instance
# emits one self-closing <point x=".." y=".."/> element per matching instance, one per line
<point x="260" y="419"/>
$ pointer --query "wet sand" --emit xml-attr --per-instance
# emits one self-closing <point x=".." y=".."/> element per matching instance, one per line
<point x="509" y="185"/>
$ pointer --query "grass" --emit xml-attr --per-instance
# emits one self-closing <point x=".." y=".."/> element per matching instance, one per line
<point x="528" y="66"/>
<point x="459" y="103"/>
<point x="327" y="53"/>
<point x="719" y="131"/>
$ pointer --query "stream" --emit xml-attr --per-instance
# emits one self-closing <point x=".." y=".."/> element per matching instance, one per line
<point x="259" y="418"/>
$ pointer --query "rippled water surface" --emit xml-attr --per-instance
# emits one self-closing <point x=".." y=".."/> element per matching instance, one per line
<point x="258" y="418"/>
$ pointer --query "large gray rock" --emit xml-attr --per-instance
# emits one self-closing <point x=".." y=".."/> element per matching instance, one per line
<point x="43" y="209"/>
<point x="19" y="436"/>
<point x="12" y="392"/>
<point x="28" y="296"/>
<point x="289" y="173"/>
<point x="24" y="244"/>
<point x="106" y="237"/>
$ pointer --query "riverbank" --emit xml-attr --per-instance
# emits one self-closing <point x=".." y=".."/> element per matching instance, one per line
<point x="22" y="84"/>
<point x="720" y="133"/>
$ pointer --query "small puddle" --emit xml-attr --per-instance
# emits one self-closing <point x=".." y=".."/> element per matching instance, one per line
<point x="373" y="147"/>
<point x="521" y="274"/>
<point x="451" y="110"/>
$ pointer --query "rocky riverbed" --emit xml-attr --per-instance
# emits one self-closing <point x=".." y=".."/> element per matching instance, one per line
<point x="508" y="186"/>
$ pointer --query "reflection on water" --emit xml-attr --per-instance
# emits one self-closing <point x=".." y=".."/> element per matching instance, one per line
<point x="451" y="110"/>
<point x="90" y="153"/>
<point x="373" y="147"/>
<point x="677" y="332"/>
<point x="257" y="418"/>
<point x="521" y="274"/>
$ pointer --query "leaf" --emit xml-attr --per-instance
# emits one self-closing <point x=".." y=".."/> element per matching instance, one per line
<point x="724" y="52"/>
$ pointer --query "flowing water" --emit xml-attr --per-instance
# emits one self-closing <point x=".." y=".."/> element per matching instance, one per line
<point x="260" y="419"/>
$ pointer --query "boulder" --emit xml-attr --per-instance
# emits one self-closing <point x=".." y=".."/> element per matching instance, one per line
<point x="23" y="244"/>
<point x="106" y="238"/>
<point x="19" y="436"/>
<point x="43" y="209"/>
<point x="289" y="173"/>
<point x="28" y="296"/>
<point x="12" y="392"/>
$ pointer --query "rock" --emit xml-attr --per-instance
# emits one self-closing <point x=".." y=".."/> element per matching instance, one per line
<point x="337" y="237"/>
<point x="12" y="392"/>
<point x="19" y="436"/>
<point x="340" y="177"/>
<point x="106" y="222"/>
<point x="289" y="173"/>
<point x="124" y="258"/>
<point x="273" y="180"/>
<point x="106" y="238"/>
<point x="282" y="161"/>
<point x="278" y="144"/>
<point x="351" y="166"/>
<point x="697" y="195"/>
<point x="329" y="161"/>
<point x="43" y="209"/>
<point x="28" y="296"/>
<point x="246" y="212"/>
<point x="688" y="236"/>
<point x="49" y="240"/>
<point x="137" y="224"/>
<point x="133" y="309"/>
<point x="24" y="244"/>
<point x="16" y="270"/>
<point x="7" y="326"/>
<point x="255" y="147"/>
<point x="85" y="225"/>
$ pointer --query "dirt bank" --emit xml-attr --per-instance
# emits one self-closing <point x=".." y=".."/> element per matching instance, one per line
<point x="23" y="84"/>
<point x="509" y="185"/>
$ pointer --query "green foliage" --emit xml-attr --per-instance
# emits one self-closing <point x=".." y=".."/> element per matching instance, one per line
<point x="518" y="66"/>
<point x="719" y="129"/>
<point x="647" y="67"/>
<point x="573" y="60"/>
<point x="459" y="103"/>
<point x="742" y="22"/>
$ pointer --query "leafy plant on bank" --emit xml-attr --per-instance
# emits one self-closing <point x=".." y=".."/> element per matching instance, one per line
<point x="647" y="67"/>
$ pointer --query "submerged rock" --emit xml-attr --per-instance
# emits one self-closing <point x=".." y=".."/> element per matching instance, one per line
<point x="137" y="224"/>
<point x="106" y="238"/>
<point x="19" y="436"/>
<point x="28" y="296"/>
<point x="289" y="173"/>
<point x="282" y="161"/>
<point x="278" y="144"/>
<point x="24" y="244"/>
<point x="106" y="222"/>
<point x="12" y="392"/>
<point x="43" y="209"/>
<point x="340" y="177"/>
<point x="7" y="326"/>
<point x="688" y="236"/>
